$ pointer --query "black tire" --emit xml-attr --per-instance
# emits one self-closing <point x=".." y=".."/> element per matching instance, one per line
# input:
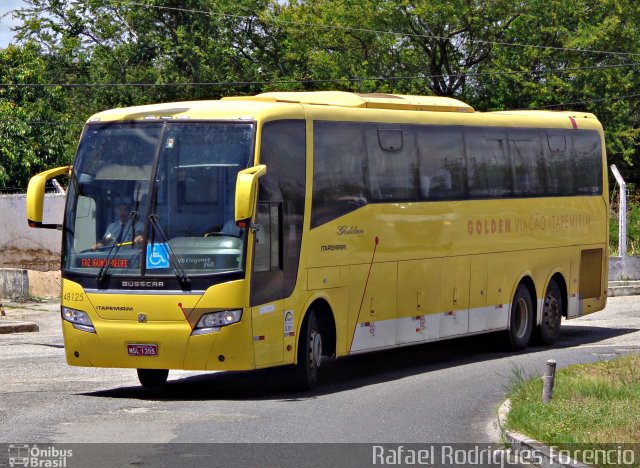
<point x="520" y="319"/>
<point x="153" y="379"/>
<point x="548" y="332"/>
<point x="309" y="354"/>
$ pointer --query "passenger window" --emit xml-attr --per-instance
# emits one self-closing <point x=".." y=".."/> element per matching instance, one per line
<point x="588" y="165"/>
<point x="339" y="167"/>
<point x="489" y="174"/>
<point x="442" y="163"/>
<point x="526" y="163"/>
<point x="393" y="164"/>
<point x="559" y="165"/>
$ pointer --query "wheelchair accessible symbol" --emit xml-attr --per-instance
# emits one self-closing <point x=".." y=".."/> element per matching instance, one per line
<point x="157" y="256"/>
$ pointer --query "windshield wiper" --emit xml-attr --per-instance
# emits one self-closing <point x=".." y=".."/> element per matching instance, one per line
<point x="129" y="224"/>
<point x="175" y="263"/>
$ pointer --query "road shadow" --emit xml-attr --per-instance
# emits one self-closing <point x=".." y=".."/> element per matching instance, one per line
<point x="353" y="371"/>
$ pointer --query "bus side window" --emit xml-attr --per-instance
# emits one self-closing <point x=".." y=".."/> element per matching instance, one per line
<point x="526" y="165"/>
<point x="489" y="172"/>
<point x="442" y="163"/>
<point x="393" y="164"/>
<point x="588" y="167"/>
<point x="339" y="187"/>
<point x="559" y="163"/>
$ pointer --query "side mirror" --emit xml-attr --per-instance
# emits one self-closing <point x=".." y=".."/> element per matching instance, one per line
<point x="35" y="196"/>
<point x="247" y="191"/>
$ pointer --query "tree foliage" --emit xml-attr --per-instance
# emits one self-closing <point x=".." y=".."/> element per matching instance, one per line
<point x="494" y="54"/>
<point x="32" y="135"/>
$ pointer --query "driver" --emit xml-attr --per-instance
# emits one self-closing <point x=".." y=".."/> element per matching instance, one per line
<point x="120" y="230"/>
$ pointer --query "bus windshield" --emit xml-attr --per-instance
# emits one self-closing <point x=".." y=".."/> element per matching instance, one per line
<point x="155" y="199"/>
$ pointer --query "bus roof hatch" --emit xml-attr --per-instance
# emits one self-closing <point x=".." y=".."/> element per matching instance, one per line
<point x="371" y="101"/>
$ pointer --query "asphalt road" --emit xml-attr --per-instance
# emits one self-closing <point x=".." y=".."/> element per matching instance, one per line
<point x="444" y="392"/>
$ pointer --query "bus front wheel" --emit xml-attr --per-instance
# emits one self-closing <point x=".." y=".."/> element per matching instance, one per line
<point x="309" y="353"/>
<point x="521" y="319"/>
<point x="153" y="378"/>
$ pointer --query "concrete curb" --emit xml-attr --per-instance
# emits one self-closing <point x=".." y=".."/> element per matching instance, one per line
<point x="525" y="446"/>
<point x="623" y="288"/>
<point x="7" y="327"/>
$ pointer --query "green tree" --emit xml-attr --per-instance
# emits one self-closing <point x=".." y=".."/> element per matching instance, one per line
<point x="494" y="54"/>
<point x="168" y="44"/>
<point x="421" y="47"/>
<point x="35" y="133"/>
<point x="568" y="65"/>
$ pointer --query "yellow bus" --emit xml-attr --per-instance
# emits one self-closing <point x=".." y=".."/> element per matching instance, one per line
<point x="289" y="228"/>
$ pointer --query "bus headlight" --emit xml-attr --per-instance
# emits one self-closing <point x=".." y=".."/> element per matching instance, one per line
<point x="210" y="323"/>
<point x="79" y="319"/>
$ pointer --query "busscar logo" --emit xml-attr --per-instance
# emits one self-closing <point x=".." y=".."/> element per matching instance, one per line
<point x="143" y="284"/>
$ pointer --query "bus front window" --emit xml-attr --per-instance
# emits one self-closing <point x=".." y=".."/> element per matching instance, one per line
<point x="130" y="214"/>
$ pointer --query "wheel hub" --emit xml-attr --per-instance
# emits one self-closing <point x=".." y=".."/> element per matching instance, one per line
<point x="551" y="313"/>
<point x="316" y="348"/>
<point x="522" y="311"/>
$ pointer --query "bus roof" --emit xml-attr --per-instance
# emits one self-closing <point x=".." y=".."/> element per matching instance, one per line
<point x="189" y="110"/>
<point x="546" y="113"/>
<point x="279" y="105"/>
<point x="248" y="105"/>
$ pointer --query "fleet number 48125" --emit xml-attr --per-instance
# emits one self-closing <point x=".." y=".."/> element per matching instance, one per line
<point x="73" y="297"/>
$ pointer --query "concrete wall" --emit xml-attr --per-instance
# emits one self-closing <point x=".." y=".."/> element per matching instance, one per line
<point x="24" y="247"/>
<point x="624" y="268"/>
<point x="14" y="283"/>
<point x="19" y="284"/>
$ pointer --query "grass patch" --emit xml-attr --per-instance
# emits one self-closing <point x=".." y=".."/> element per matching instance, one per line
<point x="597" y="404"/>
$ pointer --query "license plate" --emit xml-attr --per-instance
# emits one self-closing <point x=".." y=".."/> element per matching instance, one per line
<point x="142" y="349"/>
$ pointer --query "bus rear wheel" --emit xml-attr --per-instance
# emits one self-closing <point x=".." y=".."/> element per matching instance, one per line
<point x="548" y="332"/>
<point x="521" y="319"/>
<point x="309" y="353"/>
<point x="153" y="379"/>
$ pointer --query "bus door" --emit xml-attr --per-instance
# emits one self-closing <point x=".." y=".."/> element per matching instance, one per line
<point x="277" y="239"/>
<point x="268" y="317"/>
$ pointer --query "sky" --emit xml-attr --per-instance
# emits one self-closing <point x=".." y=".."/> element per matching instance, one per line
<point x="6" y="36"/>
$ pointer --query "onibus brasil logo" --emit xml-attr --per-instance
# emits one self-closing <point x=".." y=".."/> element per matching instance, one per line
<point x="34" y="456"/>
